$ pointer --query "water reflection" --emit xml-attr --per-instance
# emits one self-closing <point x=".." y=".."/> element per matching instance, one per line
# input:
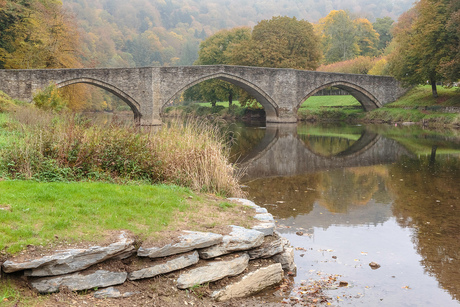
<point x="427" y="198"/>
<point x="365" y="196"/>
<point x="281" y="152"/>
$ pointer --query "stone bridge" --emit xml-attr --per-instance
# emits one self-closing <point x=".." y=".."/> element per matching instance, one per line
<point x="148" y="90"/>
<point x="282" y="153"/>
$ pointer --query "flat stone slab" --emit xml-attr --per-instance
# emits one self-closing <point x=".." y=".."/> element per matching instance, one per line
<point x="69" y="261"/>
<point x="190" y="240"/>
<point x="264" y="217"/>
<point x="251" y="283"/>
<point x="78" y="281"/>
<point x="272" y="245"/>
<point x="112" y="292"/>
<point x="267" y="228"/>
<point x="177" y="263"/>
<point x="238" y="240"/>
<point x="213" y="271"/>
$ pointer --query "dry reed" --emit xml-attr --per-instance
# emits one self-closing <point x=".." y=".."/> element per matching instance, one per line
<point x="67" y="147"/>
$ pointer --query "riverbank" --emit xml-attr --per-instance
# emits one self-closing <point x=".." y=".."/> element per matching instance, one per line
<point x="107" y="252"/>
<point x="416" y="107"/>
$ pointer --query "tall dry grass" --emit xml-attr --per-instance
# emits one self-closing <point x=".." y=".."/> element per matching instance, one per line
<point x="67" y="147"/>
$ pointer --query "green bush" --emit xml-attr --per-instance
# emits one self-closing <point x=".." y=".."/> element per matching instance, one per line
<point x="49" y="99"/>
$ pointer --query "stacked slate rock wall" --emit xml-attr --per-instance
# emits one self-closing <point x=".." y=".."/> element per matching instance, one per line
<point x="198" y="257"/>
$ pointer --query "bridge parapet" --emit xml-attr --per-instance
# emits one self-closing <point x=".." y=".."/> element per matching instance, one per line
<point x="148" y="90"/>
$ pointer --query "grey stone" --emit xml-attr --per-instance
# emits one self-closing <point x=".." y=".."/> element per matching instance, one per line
<point x="267" y="228"/>
<point x="247" y="202"/>
<point x="112" y="292"/>
<point x="69" y="261"/>
<point x="148" y="89"/>
<point x="286" y="258"/>
<point x="251" y="283"/>
<point x="238" y="240"/>
<point x="244" y="202"/>
<point x="78" y="281"/>
<point x="213" y="271"/>
<point x="190" y="240"/>
<point x="264" y="217"/>
<point x="177" y="263"/>
<point x="269" y="248"/>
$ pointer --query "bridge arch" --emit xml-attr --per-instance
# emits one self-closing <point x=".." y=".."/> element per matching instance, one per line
<point x="260" y="95"/>
<point x="133" y="104"/>
<point x="366" y="99"/>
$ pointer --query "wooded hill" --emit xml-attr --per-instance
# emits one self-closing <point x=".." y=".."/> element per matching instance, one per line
<point x="167" y="32"/>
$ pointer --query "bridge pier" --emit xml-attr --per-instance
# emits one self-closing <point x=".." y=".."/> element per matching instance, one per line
<point x="282" y="115"/>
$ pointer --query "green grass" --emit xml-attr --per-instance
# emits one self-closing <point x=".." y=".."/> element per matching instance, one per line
<point x="9" y="294"/>
<point x="317" y="102"/>
<point x="421" y="96"/>
<point x="37" y="212"/>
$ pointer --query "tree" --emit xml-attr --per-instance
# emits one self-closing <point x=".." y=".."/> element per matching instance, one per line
<point x="214" y="50"/>
<point x="281" y="42"/>
<point x="423" y="43"/>
<point x="383" y="27"/>
<point x="38" y="34"/>
<point x="338" y="36"/>
<point x="450" y="64"/>
<point x="367" y="37"/>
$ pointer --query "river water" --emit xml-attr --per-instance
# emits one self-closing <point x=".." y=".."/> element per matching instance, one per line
<point x="346" y="196"/>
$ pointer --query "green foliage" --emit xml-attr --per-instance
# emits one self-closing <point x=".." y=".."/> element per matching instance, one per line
<point x="6" y="103"/>
<point x="383" y="27"/>
<point x="424" y="43"/>
<point x="49" y="99"/>
<point x="338" y="36"/>
<point x="281" y="42"/>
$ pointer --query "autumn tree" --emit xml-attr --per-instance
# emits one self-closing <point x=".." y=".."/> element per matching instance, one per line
<point x="367" y="37"/>
<point x="423" y="44"/>
<point x="450" y="64"/>
<point x="39" y="34"/>
<point x="338" y="37"/>
<point x="281" y="42"/>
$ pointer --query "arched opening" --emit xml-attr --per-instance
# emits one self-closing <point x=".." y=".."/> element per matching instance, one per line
<point x="101" y="96"/>
<point x="337" y="142"/>
<point x="339" y="94"/>
<point x="226" y="92"/>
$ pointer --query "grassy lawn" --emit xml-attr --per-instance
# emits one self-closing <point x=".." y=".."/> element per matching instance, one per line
<point x="42" y="213"/>
<point x="421" y="96"/>
<point x="316" y="102"/>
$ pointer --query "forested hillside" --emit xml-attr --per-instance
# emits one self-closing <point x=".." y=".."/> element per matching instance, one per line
<point x="168" y="32"/>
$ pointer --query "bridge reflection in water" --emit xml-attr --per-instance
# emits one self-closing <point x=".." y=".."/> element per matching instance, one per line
<point x="282" y="152"/>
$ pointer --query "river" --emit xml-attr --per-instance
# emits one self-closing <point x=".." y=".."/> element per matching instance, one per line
<point x="349" y="195"/>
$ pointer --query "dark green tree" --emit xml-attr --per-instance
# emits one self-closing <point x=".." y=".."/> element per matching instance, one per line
<point x="383" y="27"/>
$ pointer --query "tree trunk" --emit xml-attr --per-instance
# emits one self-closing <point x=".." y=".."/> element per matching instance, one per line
<point x="433" y="88"/>
<point x="213" y="103"/>
<point x="433" y="154"/>
<point x="230" y="99"/>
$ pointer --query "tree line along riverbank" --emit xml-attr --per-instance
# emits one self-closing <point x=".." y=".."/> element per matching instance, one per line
<point x="417" y="106"/>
